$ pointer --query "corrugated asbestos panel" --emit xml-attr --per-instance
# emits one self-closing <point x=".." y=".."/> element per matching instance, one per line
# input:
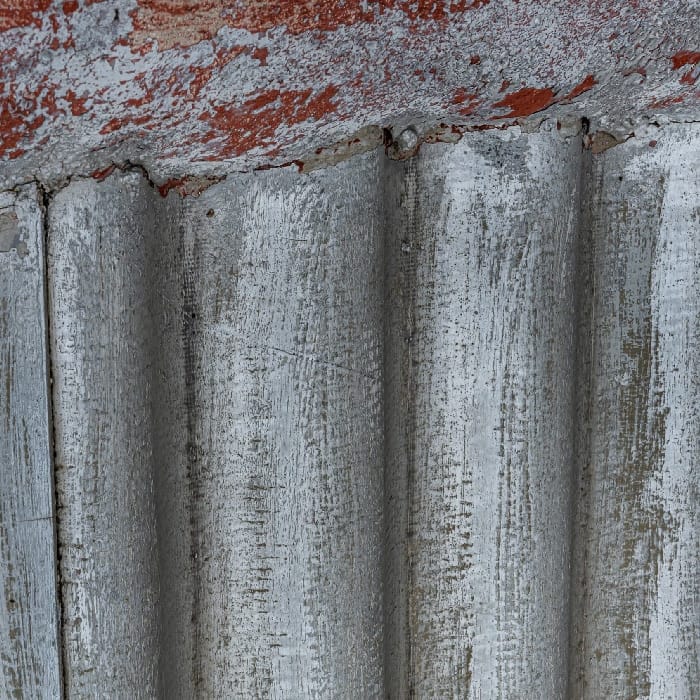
<point x="29" y="643"/>
<point x="218" y="385"/>
<point x="424" y="429"/>
<point x="636" y="586"/>
<point x="479" y="359"/>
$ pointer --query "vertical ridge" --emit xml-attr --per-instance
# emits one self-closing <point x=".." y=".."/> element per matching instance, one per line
<point x="580" y="407"/>
<point x="480" y="351"/>
<point x="101" y="337"/>
<point x="399" y="183"/>
<point x="638" y="532"/>
<point x="29" y="623"/>
<point x="287" y="392"/>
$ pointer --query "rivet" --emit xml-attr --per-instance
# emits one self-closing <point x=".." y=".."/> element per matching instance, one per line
<point x="407" y="139"/>
<point x="405" y="145"/>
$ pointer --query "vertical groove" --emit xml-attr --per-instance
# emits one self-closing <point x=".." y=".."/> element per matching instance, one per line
<point x="411" y="205"/>
<point x="579" y="389"/>
<point x="45" y="204"/>
<point x="399" y="183"/>
<point x="193" y="475"/>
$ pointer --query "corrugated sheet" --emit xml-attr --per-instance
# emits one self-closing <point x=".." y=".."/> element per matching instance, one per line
<point x="425" y="429"/>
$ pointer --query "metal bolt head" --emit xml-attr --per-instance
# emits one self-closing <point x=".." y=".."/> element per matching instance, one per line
<point x="407" y="140"/>
<point x="404" y="145"/>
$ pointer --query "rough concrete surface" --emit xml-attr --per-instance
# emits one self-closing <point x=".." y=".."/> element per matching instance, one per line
<point x="209" y="87"/>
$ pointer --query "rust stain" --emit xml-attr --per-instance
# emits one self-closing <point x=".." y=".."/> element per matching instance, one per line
<point x="586" y="84"/>
<point x="117" y="123"/>
<point x="260" y="54"/>
<point x="186" y="22"/>
<point x="22" y="13"/>
<point x="103" y="173"/>
<point x="255" y="123"/>
<point x="664" y="102"/>
<point x="17" y="122"/>
<point x="190" y="185"/>
<point x="139" y="101"/>
<point x="468" y="101"/>
<point x="48" y="97"/>
<point x="77" y="104"/>
<point x="686" y="58"/>
<point x="527" y="101"/>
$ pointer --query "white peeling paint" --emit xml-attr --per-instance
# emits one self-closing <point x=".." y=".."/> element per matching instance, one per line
<point x="217" y="87"/>
<point x="482" y="260"/>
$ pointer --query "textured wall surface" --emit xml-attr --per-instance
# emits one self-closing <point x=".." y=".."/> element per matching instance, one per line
<point x="479" y="361"/>
<point x="215" y="86"/>
<point x="389" y="429"/>
<point x="29" y="615"/>
<point x="636" y="611"/>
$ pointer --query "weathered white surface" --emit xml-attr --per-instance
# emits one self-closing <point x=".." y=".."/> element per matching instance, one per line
<point x="479" y="432"/>
<point x="103" y="350"/>
<point x="284" y="349"/>
<point x="233" y="361"/>
<point x="423" y="429"/>
<point x="637" y="580"/>
<point x="29" y="649"/>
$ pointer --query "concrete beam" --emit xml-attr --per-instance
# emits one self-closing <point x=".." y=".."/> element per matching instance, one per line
<point x="209" y="87"/>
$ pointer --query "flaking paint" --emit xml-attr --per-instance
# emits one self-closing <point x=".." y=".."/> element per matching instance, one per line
<point x="181" y="90"/>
